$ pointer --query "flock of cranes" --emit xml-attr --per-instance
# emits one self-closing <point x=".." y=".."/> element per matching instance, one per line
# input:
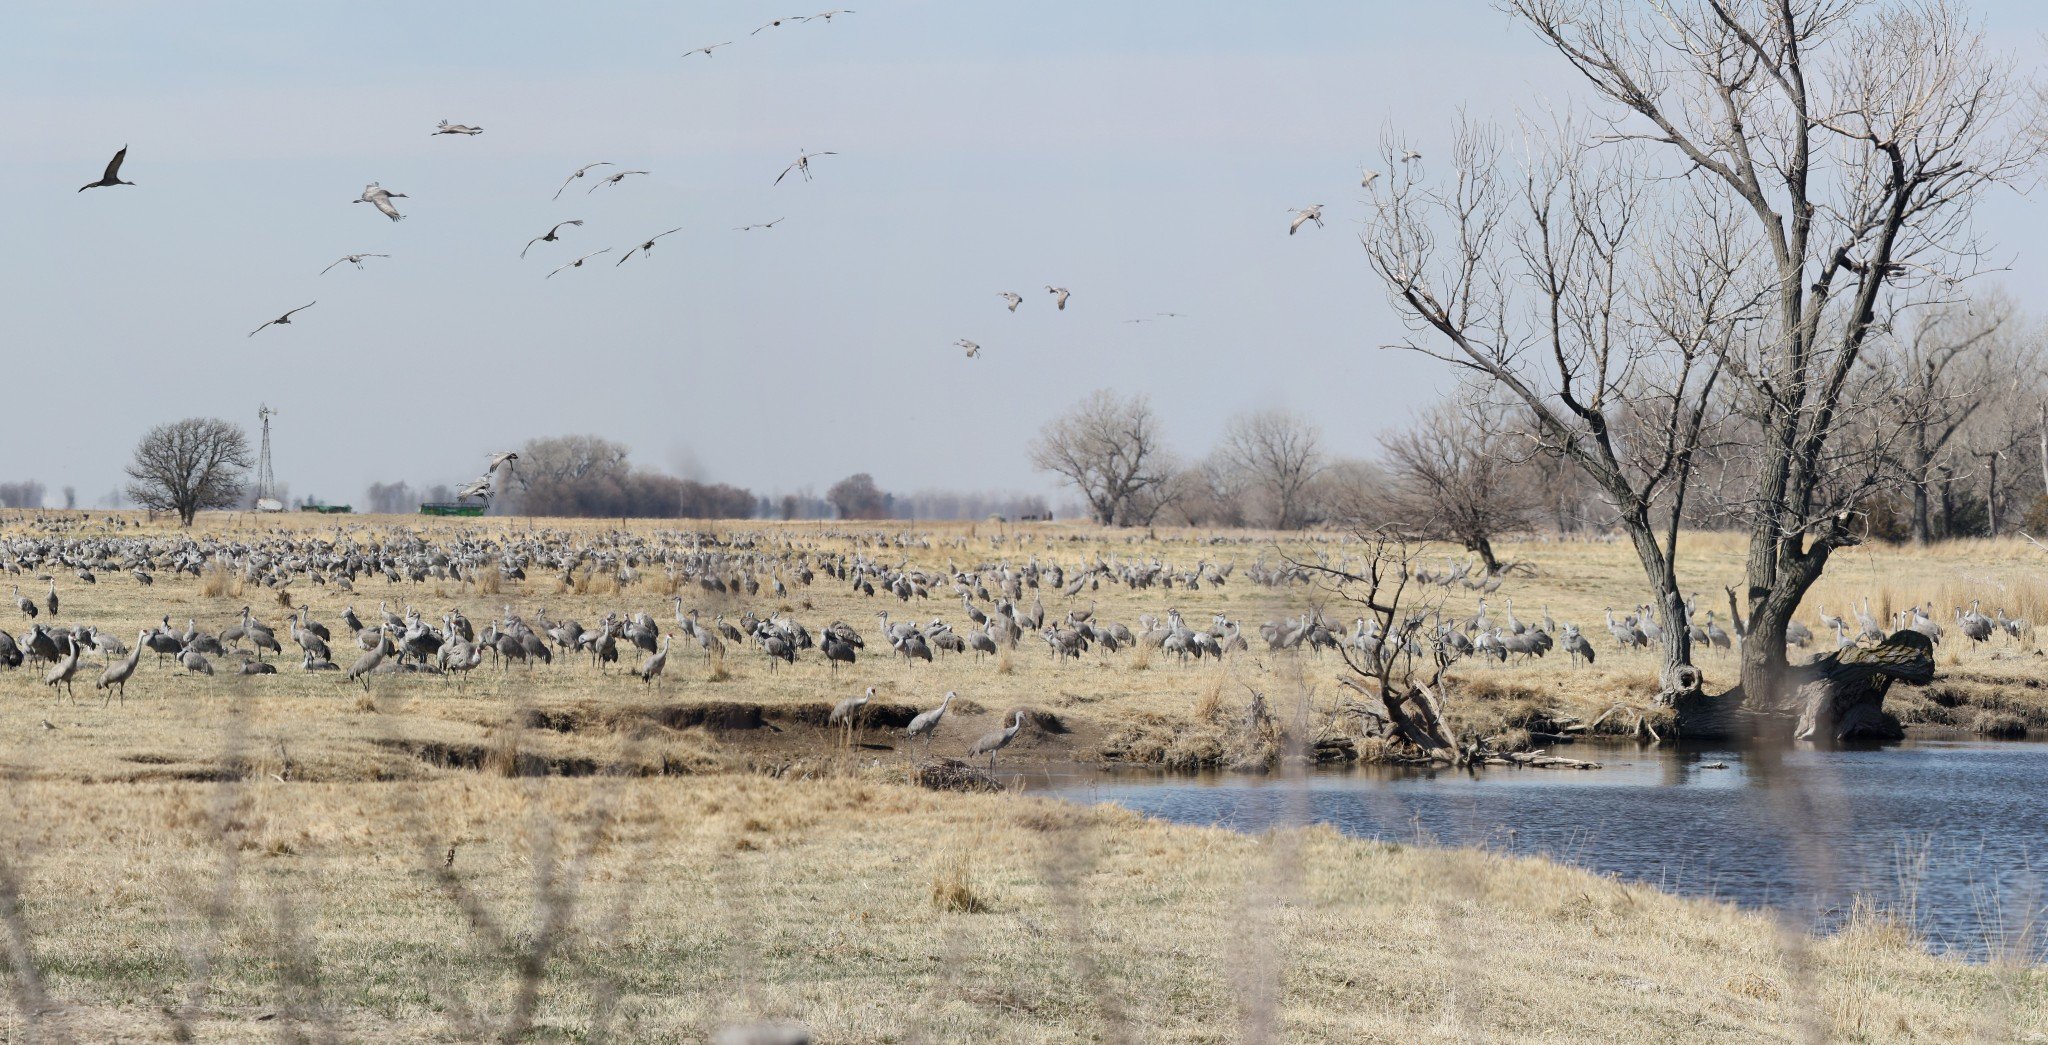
<point x="1002" y="607"/>
<point x="381" y="198"/>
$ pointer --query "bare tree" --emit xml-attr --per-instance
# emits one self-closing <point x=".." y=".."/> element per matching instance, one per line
<point x="1457" y="477"/>
<point x="857" y="497"/>
<point x="25" y="494"/>
<point x="1279" y="454"/>
<point x="1942" y="372"/>
<point x="188" y="466"/>
<point x="1592" y="300"/>
<point x="567" y="458"/>
<point x="1835" y="148"/>
<point x="390" y="498"/>
<point x="1108" y="448"/>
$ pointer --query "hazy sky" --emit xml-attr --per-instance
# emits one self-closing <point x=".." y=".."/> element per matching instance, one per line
<point x="1143" y="154"/>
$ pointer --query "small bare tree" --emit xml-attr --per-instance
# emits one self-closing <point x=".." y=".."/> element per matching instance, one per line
<point x="1279" y="454"/>
<point x="1108" y="448"/>
<point x="1399" y="659"/>
<point x="1942" y="372"/>
<point x="1459" y="476"/>
<point x="189" y="466"/>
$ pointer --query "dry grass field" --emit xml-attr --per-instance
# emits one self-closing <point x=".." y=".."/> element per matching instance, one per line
<point x="265" y="856"/>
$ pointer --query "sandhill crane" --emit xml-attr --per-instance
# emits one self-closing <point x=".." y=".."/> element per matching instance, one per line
<point x="368" y="662"/>
<point x="284" y="320"/>
<point x="613" y="179"/>
<point x="1828" y="620"/>
<point x="1576" y="645"/>
<point x="803" y="161"/>
<point x="1974" y="625"/>
<point x="456" y="128"/>
<point x="118" y="673"/>
<point x="380" y="197"/>
<point x="1717" y="637"/>
<point x="25" y="604"/>
<point x="578" y="263"/>
<point x="1366" y="177"/>
<point x="549" y="236"/>
<point x="779" y="21"/>
<point x="996" y="740"/>
<point x="651" y="668"/>
<point x="195" y="662"/>
<point x="646" y="246"/>
<point x="580" y="171"/>
<point x="50" y="600"/>
<point x="1410" y="156"/>
<point x="761" y="225"/>
<point x="112" y="176"/>
<point x="1312" y="212"/>
<point x="1871" y="629"/>
<point x="1059" y="295"/>
<point x="706" y="49"/>
<point x="353" y="259"/>
<point x="973" y="350"/>
<point x="847" y="712"/>
<point x="926" y="724"/>
<point x="827" y="15"/>
<point x="67" y="666"/>
<point x="1012" y="298"/>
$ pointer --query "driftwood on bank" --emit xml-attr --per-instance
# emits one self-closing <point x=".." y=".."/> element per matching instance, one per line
<point x="1837" y="696"/>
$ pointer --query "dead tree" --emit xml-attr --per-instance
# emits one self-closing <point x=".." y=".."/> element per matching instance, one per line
<point x="1600" y="308"/>
<point x="1818" y="160"/>
<point x="1405" y="667"/>
<point x="1458" y="475"/>
<point x="1109" y="449"/>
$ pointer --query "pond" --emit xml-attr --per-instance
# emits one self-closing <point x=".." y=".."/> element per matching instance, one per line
<point x="1942" y="831"/>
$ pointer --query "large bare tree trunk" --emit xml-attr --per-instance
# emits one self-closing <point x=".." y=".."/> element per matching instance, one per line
<point x="1678" y="682"/>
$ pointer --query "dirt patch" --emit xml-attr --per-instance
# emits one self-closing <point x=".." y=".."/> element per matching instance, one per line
<point x="482" y="758"/>
<point x="152" y="760"/>
<point x="951" y="774"/>
<point x="872" y="716"/>
<point x="713" y="715"/>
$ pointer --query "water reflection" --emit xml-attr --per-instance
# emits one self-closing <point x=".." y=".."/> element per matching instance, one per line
<point x="1942" y="830"/>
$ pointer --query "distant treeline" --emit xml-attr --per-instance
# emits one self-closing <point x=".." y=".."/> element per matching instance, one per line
<point x="586" y="476"/>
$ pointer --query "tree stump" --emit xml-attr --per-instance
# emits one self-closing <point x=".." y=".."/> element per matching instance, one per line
<point x="1837" y="697"/>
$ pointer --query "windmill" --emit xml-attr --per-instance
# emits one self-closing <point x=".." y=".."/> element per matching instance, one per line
<point x="266" y="483"/>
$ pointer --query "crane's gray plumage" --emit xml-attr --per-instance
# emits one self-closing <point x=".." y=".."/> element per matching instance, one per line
<point x="352" y="259"/>
<point x="802" y="165"/>
<point x="1312" y="212"/>
<point x="549" y="236"/>
<point x="456" y="128"/>
<point x="613" y="179"/>
<point x="1059" y="295"/>
<point x="646" y="246"/>
<point x="380" y="197"/>
<point x="1013" y="298"/>
<point x="580" y="171"/>
<point x="578" y="263"/>
<point x="284" y="320"/>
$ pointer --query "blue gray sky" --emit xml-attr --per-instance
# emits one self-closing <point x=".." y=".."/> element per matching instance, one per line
<point x="1143" y="154"/>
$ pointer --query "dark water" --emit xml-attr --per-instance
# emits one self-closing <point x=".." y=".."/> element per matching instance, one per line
<point x="1943" y="831"/>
